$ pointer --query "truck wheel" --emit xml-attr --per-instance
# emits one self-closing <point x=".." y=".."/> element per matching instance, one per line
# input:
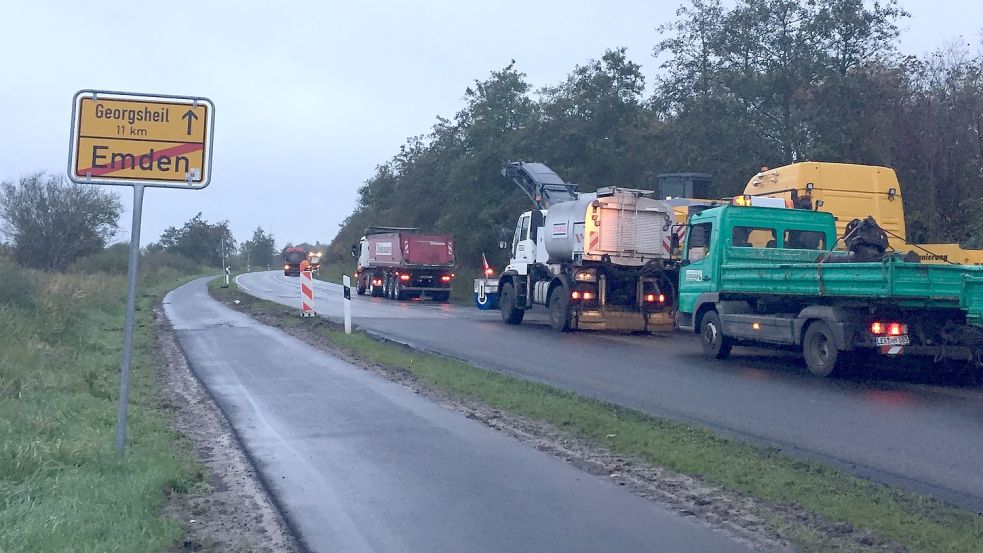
<point x="712" y="338"/>
<point x="819" y="349"/>
<point x="360" y="287"/>
<point x="398" y="293"/>
<point x="387" y="291"/>
<point x="560" y="309"/>
<point x="510" y="314"/>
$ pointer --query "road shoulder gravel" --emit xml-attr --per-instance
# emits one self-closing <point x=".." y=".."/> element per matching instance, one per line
<point x="234" y="512"/>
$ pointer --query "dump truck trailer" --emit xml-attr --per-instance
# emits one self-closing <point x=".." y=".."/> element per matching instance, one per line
<point x="401" y="263"/>
<point x="759" y="276"/>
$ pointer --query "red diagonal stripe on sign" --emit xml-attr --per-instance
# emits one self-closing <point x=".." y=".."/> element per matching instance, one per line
<point x="307" y="291"/>
<point x="172" y="151"/>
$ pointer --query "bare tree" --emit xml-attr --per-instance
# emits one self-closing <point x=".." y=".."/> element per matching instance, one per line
<point x="50" y="222"/>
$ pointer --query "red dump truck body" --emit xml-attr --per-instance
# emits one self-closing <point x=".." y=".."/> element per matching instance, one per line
<point x="405" y="249"/>
<point x="405" y="264"/>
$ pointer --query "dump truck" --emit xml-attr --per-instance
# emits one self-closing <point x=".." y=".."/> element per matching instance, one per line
<point x="314" y="260"/>
<point x="597" y="261"/>
<point x="402" y="263"/>
<point x="850" y="191"/>
<point x="292" y="257"/>
<point x="765" y="276"/>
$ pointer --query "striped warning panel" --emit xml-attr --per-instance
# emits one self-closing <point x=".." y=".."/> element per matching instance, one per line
<point x="667" y="241"/>
<point x="306" y="294"/>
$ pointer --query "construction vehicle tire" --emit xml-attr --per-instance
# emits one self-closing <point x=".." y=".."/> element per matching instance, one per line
<point x="712" y="338"/>
<point x="510" y="313"/>
<point x="560" y="309"/>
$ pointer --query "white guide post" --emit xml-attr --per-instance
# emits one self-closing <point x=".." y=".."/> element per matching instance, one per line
<point x="346" y="281"/>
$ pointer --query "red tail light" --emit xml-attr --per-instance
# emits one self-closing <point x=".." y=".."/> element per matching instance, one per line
<point x="489" y="271"/>
<point x="404" y="278"/>
<point x="575" y="295"/>
<point x="650" y="298"/>
<point x="588" y="295"/>
<point x="662" y="298"/>
<point x="445" y="278"/>
<point x="891" y="329"/>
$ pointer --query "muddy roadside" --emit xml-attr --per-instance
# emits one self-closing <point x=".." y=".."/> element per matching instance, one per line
<point x="233" y="512"/>
<point x="761" y="524"/>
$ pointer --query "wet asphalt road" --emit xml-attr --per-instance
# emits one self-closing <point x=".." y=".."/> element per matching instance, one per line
<point x="362" y="464"/>
<point x="923" y="437"/>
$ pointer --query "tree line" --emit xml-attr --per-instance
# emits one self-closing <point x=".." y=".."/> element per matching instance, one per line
<point x="53" y="224"/>
<point x="762" y="83"/>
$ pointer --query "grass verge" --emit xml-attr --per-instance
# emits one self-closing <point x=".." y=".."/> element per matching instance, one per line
<point x="62" y="487"/>
<point x="915" y="522"/>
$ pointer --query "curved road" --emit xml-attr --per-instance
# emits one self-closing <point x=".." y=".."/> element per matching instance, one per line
<point x="359" y="463"/>
<point x="924" y="438"/>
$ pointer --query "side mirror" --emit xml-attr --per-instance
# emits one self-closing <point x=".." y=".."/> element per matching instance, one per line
<point x="354" y="250"/>
<point x="503" y="245"/>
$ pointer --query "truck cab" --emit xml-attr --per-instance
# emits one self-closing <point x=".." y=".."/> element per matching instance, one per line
<point x="527" y="246"/>
<point x="783" y="235"/>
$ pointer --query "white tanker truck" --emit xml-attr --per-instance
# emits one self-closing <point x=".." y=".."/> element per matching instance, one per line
<point x="599" y="261"/>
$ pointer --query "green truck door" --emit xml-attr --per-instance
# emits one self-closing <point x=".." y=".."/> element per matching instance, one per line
<point x="696" y="276"/>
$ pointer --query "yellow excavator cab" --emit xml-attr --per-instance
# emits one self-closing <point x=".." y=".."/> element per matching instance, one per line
<point x="853" y="192"/>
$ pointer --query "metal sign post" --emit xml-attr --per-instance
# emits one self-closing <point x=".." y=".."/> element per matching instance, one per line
<point x="131" y="303"/>
<point x="347" y="283"/>
<point x="139" y="140"/>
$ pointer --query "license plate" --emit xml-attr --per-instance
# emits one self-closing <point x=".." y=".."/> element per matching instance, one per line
<point x="892" y="340"/>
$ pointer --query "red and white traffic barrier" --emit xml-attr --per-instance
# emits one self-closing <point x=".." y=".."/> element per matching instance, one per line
<point x="306" y="294"/>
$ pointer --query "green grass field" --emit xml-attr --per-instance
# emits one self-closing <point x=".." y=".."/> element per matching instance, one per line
<point x="917" y="522"/>
<point x="62" y="487"/>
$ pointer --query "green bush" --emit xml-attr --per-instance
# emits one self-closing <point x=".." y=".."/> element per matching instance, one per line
<point x="17" y="286"/>
<point x="115" y="260"/>
<point x="155" y="262"/>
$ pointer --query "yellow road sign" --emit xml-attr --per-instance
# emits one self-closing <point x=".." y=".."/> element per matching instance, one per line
<point x="126" y="138"/>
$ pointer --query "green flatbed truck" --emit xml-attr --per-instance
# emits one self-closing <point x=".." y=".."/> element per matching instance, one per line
<point x="760" y="275"/>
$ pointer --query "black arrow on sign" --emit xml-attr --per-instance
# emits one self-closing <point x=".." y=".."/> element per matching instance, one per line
<point x="190" y="116"/>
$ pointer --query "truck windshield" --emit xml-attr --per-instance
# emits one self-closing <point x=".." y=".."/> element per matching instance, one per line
<point x="294" y="257"/>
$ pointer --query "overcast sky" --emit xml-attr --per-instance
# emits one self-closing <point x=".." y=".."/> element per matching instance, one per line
<point x="311" y="96"/>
